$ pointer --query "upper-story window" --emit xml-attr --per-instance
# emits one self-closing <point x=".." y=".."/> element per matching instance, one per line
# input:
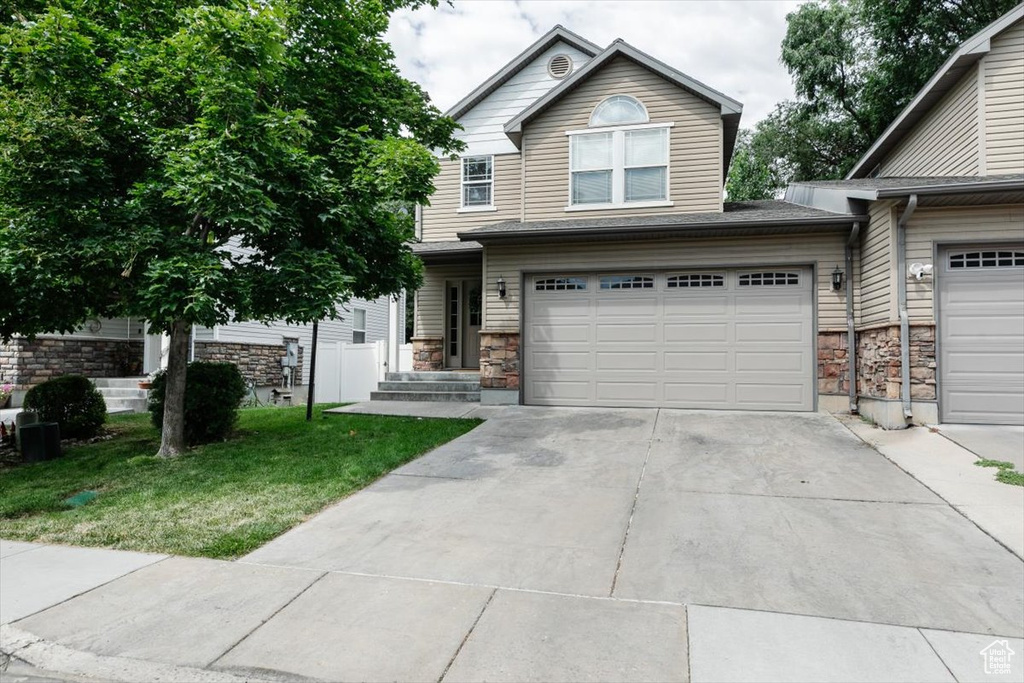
<point x="478" y="182"/>
<point x="624" y="163"/>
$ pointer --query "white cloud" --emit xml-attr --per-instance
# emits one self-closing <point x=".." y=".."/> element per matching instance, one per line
<point x="730" y="45"/>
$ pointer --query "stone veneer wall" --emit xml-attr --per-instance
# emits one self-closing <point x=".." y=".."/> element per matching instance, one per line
<point x="833" y="363"/>
<point x="427" y="354"/>
<point x="26" y="363"/>
<point x="878" y="362"/>
<point x="261" y="362"/>
<point x="499" y="360"/>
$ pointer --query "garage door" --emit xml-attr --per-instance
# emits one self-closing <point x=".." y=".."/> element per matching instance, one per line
<point x="981" y="344"/>
<point x="729" y="339"/>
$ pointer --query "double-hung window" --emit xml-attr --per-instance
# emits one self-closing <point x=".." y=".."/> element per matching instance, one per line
<point x="623" y="162"/>
<point x="478" y="182"/>
<point x="359" y="326"/>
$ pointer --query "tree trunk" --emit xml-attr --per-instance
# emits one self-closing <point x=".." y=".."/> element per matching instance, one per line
<point x="172" y="436"/>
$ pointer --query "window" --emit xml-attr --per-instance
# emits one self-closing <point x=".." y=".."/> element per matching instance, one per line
<point x="627" y="282"/>
<point x="986" y="259"/>
<point x="453" y="321"/>
<point x="618" y="110"/>
<point x="358" y="325"/>
<point x="695" y="280"/>
<point x="478" y="181"/>
<point x="769" y="279"/>
<point x="560" y="284"/>
<point x="628" y="165"/>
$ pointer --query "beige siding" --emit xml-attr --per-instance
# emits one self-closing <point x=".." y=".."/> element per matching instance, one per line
<point x="1004" y="102"/>
<point x="823" y="250"/>
<point x="945" y="142"/>
<point x="429" y="319"/>
<point x="695" y="159"/>
<point x="928" y="227"/>
<point x="876" y="285"/>
<point x="441" y="220"/>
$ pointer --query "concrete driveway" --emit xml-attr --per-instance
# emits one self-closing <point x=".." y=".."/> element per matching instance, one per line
<point x="590" y="544"/>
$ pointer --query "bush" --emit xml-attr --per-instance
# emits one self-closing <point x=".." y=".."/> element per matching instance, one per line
<point x="72" y="402"/>
<point x="213" y="392"/>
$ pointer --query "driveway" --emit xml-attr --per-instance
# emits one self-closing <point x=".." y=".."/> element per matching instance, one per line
<point x="592" y="544"/>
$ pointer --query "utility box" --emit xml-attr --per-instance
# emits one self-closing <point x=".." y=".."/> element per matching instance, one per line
<point x="39" y="441"/>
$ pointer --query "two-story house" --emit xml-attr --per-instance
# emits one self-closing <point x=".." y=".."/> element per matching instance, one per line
<point x="580" y="252"/>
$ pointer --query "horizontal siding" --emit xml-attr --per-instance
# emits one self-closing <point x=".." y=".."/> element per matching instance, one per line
<point x="945" y="142"/>
<point x="1004" y="102"/>
<point x="110" y="328"/>
<point x="928" y="227"/>
<point x="441" y="219"/>
<point x="876" y="284"/>
<point x="824" y="250"/>
<point x="429" y="317"/>
<point x="484" y="125"/>
<point x="695" y="156"/>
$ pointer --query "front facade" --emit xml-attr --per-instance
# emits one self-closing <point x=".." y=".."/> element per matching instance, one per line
<point x="580" y="251"/>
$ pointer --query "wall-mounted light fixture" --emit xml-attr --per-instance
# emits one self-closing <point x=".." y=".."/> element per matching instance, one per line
<point x="501" y="287"/>
<point x="918" y="271"/>
<point x="837" y="279"/>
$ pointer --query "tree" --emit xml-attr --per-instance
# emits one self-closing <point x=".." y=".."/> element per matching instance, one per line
<point x="855" y="65"/>
<point x="752" y="176"/>
<point x="192" y="162"/>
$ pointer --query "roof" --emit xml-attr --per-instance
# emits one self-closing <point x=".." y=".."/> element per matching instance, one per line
<point x="453" y="251"/>
<point x="969" y="52"/>
<point x="836" y="194"/>
<point x="737" y="218"/>
<point x="730" y="108"/>
<point x="557" y="34"/>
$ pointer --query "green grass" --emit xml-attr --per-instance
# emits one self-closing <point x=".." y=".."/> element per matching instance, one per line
<point x="1006" y="474"/>
<point x="220" y="500"/>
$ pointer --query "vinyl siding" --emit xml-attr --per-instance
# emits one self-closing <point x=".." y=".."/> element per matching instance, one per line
<point x="823" y="250"/>
<point x="695" y="158"/>
<point x="876" y="284"/>
<point x="1004" y="102"/>
<point x="484" y="125"/>
<point x="945" y="142"/>
<point x="429" y="320"/>
<point x="441" y="220"/>
<point x="110" y="329"/>
<point x="928" y="227"/>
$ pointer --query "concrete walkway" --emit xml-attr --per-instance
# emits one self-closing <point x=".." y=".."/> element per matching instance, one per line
<point x="572" y="545"/>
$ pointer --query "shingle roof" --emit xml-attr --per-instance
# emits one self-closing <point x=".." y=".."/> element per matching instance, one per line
<point x="903" y="183"/>
<point x="760" y="214"/>
<point x="445" y="246"/>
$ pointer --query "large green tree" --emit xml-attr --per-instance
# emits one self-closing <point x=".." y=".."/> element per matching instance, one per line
<point x="193" y="162"/>
<point x="855" y="64"/>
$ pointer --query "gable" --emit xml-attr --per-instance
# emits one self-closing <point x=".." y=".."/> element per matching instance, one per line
<point x="1003" y="125"/>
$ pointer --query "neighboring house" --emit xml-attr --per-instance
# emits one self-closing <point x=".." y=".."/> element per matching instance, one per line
<point x="580" y="253"/>
<point x="122" y="348"/>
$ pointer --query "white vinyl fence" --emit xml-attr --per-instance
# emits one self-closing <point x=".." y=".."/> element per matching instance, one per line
<point x="349" y="372"/>
<point x="404" y="358"/>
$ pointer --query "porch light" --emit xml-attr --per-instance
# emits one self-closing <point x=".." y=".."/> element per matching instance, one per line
<point x="501" y="287"/>
<point x="837" y="279"/>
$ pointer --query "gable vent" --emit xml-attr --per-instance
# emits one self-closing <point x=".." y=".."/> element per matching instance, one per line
<point x="560" y="66"/>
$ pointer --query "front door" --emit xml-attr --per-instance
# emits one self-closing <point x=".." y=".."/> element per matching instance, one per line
<point x="463" y="318"/>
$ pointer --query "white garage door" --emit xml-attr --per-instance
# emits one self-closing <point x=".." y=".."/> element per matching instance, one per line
<point x="730" y="339"/>
<point x="981" y="345"/>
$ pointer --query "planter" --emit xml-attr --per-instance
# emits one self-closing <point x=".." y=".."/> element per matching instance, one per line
<point x="145" y="385"/>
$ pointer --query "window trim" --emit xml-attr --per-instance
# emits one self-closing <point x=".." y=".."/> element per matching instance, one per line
<point x="473" y="208"/>
<point x="643" y="107"/>
<point x="619" y="168"/>
<point x="357" y="330"/>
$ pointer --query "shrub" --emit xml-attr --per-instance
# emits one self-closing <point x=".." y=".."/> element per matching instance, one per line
<point x="72" y="402"/>
<point x="213" y="392"/>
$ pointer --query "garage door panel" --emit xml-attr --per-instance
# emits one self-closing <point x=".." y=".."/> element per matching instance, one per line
<point x="990" y="363"/>
<point x="563" y="307"/>
<point x="686" y="346"/>
<point x="991" y="325"/>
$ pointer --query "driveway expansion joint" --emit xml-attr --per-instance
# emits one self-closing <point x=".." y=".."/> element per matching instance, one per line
<point x="632" y="509"/>
<point x="462" y="644"/>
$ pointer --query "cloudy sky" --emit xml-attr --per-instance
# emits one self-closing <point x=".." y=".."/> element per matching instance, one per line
<point x="730" y="45"/>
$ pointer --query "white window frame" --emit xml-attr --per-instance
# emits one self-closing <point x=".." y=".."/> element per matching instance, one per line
<point x="462" y="186"/>
<point x="619" y="167"/>
<point x="355" y="328"/>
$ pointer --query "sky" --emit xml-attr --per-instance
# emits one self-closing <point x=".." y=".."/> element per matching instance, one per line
<point x="729" y="45"/>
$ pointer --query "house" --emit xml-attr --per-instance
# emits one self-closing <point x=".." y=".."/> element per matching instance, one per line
<point x="121" y="347"/>
<point x="580" y="253"/>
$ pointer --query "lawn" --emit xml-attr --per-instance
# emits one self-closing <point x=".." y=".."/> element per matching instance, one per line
<point x="220" y="500"/>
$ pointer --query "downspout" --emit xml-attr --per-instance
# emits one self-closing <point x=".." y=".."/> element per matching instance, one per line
<point x="851" y="334"/>
<point x="901" y="279"/>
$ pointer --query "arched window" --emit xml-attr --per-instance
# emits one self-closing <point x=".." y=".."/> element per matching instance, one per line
<point x="618" y="110"/>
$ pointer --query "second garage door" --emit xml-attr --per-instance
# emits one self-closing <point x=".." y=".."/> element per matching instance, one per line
<point x="726" y="339"/>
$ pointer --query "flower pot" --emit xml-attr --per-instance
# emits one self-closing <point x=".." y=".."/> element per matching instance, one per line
<point x="145" y="385"/>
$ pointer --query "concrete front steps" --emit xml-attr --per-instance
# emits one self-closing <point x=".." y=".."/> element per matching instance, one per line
<point x="428" y="386"/>
<point x="122" y="394"/>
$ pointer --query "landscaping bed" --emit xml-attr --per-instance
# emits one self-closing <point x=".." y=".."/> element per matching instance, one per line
<point x="221" y="500"/>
